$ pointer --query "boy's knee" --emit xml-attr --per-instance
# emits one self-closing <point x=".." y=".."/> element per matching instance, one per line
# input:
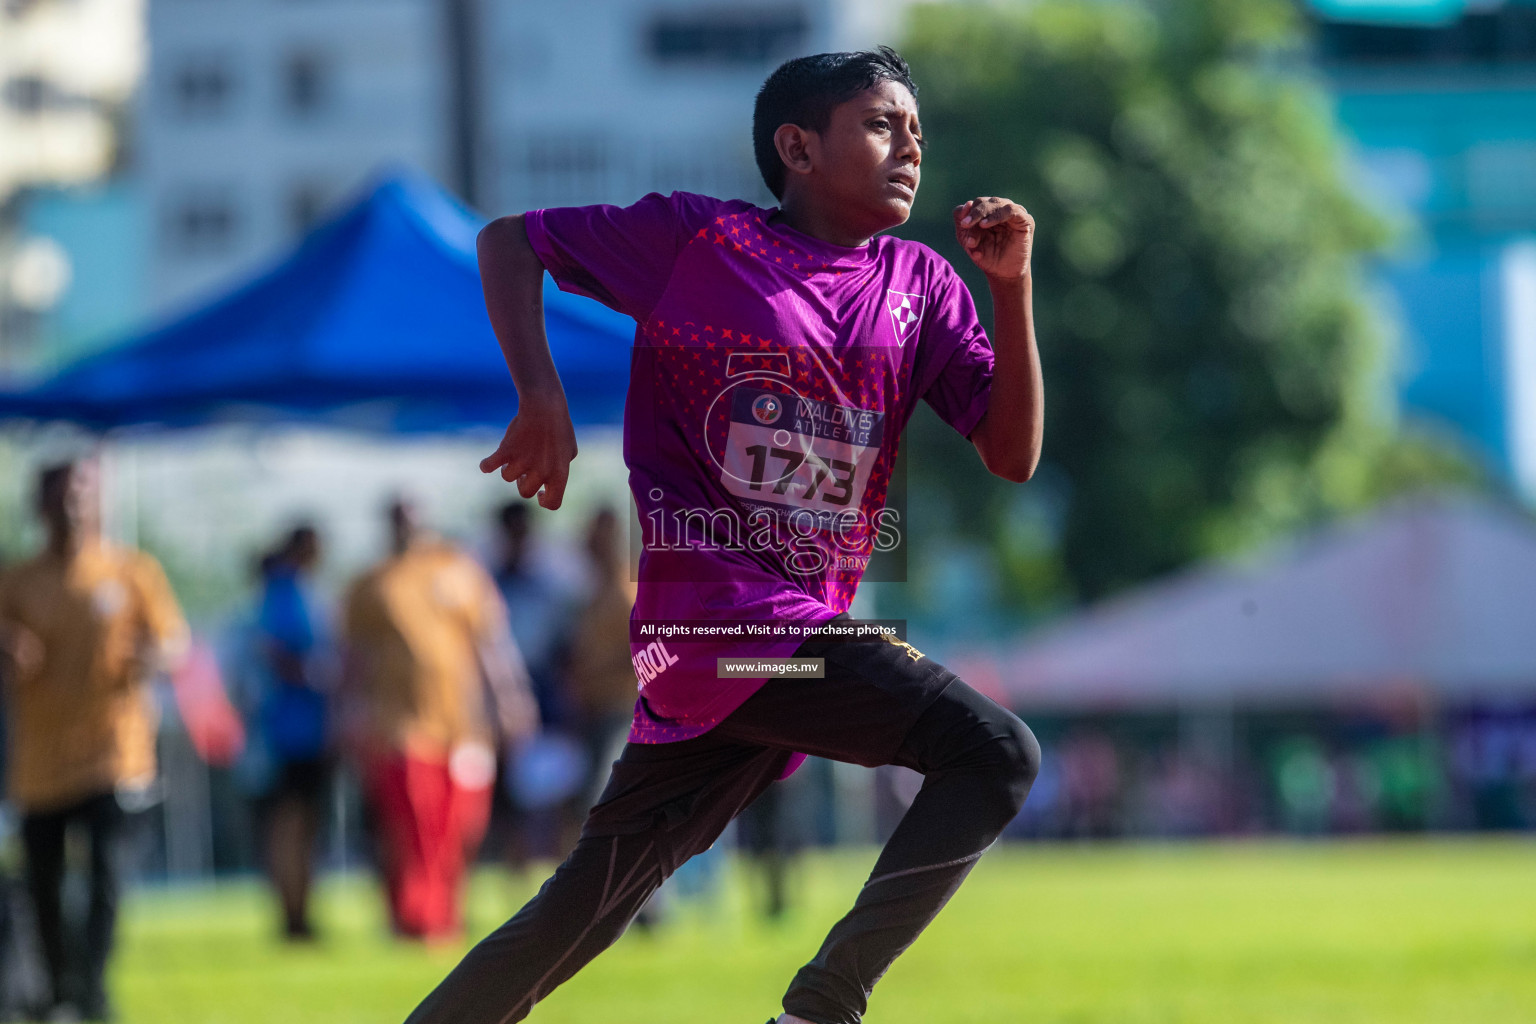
<point x="1018" y="760"/>
<point x="971" y="734"/>
<point x="1008" y="763"/>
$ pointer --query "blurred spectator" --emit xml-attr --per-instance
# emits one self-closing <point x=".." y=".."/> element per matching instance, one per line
<point x="1302" y="771"/>
<point x="84" y="625"/>
<point x="540" y="607"/>
<point x="772" y="831"/>
<point x="293" y="764"/>
<point x="1306" y="783"/>
<point x="1407" y="772"/>
<point x="1356" y="793"/>
<point x="21" y="976"/>
<point x="546" y="782"/>
<point x="427" y="649"/>
<point x="1181" y="796"/>
<point x="599" y="673"/>
<point x="1090" y="769"/>
<point x="1486" y="756"/>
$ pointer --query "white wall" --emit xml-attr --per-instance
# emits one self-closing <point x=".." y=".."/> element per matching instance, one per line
<point x="381" y="99"/>
<point x="574" y="106"/>
<point x="580" y="108"/>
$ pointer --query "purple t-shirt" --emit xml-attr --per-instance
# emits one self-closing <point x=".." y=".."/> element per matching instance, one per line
<point x="772" y="376"/>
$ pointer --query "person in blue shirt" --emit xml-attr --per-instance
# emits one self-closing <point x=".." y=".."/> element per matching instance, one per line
<point x="291" y="724"/>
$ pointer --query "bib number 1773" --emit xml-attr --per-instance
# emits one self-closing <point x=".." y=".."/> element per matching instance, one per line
<point x="790" y="452"/>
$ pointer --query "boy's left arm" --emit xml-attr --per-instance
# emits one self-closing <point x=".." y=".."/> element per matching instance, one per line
<point x="998" y="235"/>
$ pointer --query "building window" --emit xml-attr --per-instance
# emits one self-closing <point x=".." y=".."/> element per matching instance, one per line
<point x="28" y="94"/>
<point x="559" y="154"/>
<point x="201" y="225"/>
<point x="308" y="202"/>
<point x="202" y="86"/>
<point x="728" y="35"/>
<point x="306" y="82"/>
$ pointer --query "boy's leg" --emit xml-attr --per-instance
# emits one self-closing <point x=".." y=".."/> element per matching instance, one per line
<point x="663" y="803"/>
<point x="884" y="703"/>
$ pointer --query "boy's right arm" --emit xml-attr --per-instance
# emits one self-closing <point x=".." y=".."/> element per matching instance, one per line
<point x="541" y="440"/>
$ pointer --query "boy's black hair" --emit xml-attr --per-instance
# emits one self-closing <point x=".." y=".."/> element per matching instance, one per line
<point x="803" y="91"/>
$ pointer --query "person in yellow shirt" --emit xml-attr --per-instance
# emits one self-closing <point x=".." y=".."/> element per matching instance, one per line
<point x="431" y="677"/>
<point x="84" y="626"/>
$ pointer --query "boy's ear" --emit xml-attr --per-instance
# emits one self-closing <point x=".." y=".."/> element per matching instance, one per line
<point x="794" y="145"/>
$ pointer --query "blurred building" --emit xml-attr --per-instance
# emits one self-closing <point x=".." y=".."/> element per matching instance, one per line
<point x="67" y="71"/>
<point x="256" y="116"/>
<point x="66" y="68"/>
<point x="605" y="100"/>
<point x="1440" y="98"/>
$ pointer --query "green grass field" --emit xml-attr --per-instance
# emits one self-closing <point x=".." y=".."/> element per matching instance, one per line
<point x="1406" y="931"/>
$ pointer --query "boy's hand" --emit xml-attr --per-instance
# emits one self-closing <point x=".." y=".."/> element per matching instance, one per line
<point x="997" y="234"/>
<point x="537" y="450"/>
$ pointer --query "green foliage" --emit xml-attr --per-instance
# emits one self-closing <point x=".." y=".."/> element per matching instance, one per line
<point x="1213" y="375"/>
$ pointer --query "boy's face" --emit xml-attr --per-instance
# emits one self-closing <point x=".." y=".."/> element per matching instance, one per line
<point x="869" y="157"/>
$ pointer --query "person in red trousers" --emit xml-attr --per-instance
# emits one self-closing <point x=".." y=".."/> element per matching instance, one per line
<point x="432" y="675"/>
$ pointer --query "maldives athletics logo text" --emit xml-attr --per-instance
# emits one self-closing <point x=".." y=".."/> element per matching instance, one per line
<point x="906" y="312"/>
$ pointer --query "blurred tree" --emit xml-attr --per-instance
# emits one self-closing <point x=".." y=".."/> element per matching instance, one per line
<point x="1214" y="375"/>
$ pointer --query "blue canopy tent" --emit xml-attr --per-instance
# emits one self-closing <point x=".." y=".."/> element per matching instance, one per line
<point x="375" y="321"/>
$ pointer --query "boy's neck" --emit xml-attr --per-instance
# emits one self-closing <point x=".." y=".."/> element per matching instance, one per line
<point x="809" y="218"/>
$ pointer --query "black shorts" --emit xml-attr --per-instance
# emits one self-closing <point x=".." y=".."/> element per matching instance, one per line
<point x="303" y="779"/>
<point x="873" y="692"/>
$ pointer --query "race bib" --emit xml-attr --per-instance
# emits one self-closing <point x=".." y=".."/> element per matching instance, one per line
<point x="786" y="453"/>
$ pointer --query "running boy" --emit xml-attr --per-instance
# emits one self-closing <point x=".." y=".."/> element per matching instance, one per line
<point x="778" y="356"/>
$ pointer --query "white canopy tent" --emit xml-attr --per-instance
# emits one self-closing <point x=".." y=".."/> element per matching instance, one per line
<point x="1435" y="596"/>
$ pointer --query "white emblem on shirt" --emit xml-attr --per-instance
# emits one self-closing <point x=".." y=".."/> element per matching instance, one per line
<point x="906" y="311"/>
<point x="108" y="598"/>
